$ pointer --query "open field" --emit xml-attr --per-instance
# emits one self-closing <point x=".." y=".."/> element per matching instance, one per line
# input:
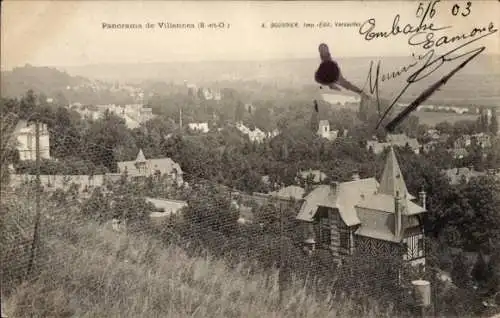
<point x="433" y="118"/>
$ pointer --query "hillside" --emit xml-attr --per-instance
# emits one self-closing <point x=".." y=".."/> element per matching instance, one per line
<point x="60" y="86"/>
<point x="44" y="79"/>
<point x="89" y="281"/>
<point x="88" y="270"/>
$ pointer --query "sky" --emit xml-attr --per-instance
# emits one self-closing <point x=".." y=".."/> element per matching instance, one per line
<point x="70" y="33"/>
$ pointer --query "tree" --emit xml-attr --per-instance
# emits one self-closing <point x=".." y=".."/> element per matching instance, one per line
<point x="475" y="157"/>
<point x="239" y="112"/>
<point x="314" y="122"/>
<point x="460" y="272"/>
<point x="494" y="122"/>
<point x="440" y="158"/>
<point x="97" y="206"/>
<point x="133" y="210"/>
<point x="465" y="127"/>
<point x="494" y="271"/>
<point x="484" y="223"/>
<point x="445" y="128"/>
<point x="493" y="155"/>
<point x="107" y="141"/>
<point x="482" y="121"/>
<point x="268" y="215"/>
<point x="210" y="207"/>
<point x="8" y="151"/>
<point x="262" y="118"/>
<point x="64" y="134"/>
<point x="28" y="105"/>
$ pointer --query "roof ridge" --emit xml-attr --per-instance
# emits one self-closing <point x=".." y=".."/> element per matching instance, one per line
<point x="363" y="179"/>
<point x="163" y="199"/>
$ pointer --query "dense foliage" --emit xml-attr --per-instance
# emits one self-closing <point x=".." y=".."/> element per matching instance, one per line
<point x="464" y="216"/>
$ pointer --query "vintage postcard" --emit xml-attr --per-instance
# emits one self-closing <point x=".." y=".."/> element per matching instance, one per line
<point x="250" y="158"/>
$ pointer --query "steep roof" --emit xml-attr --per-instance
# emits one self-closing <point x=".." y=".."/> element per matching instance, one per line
<point x="380" y="225"/>
<point x="321" y="196"/>
<point x="392" y="180"/>
<point x="140" y="157"/>
<point x="368" y="203"/>
<point x="385" y="203"/>
<point x="165" y="165"/>
<point x="344" y="196"/>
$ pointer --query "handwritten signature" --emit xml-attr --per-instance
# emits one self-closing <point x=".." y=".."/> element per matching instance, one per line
<point x="423" y="36"/>
<point x="367" y="27"/>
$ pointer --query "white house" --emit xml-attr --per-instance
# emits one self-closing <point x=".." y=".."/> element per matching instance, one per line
<point x="201" y="127"/>
<point x="273" y="133"/>
<point x="342" y="100"/>
<point x="325" y="132"/>
<point x="25" y="134"/>
<point x="255" y="135"/>
<point x="211" y="93"/>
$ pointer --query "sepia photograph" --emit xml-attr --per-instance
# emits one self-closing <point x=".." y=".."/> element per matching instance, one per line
<point x="250" y="159"/>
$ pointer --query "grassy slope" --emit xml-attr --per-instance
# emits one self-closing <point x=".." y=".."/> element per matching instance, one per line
<point x="92" y="271"/>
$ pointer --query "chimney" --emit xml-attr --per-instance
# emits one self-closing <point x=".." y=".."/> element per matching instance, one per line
<point x="333" y="187"/>
<point x="397" y="216"/>
<point x="422" y="199"/>
<point x="309" y="242"/>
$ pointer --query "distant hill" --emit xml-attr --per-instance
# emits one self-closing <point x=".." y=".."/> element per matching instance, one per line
<point x="477" y="83"/>
<point x="48" y="80"/>
<point x="62" y="87"/>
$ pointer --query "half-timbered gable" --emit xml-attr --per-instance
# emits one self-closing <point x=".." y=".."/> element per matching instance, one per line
<point x="395" y="233"/>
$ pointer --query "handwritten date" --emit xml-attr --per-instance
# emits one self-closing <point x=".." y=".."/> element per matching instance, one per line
<point x="456" y="9"/>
